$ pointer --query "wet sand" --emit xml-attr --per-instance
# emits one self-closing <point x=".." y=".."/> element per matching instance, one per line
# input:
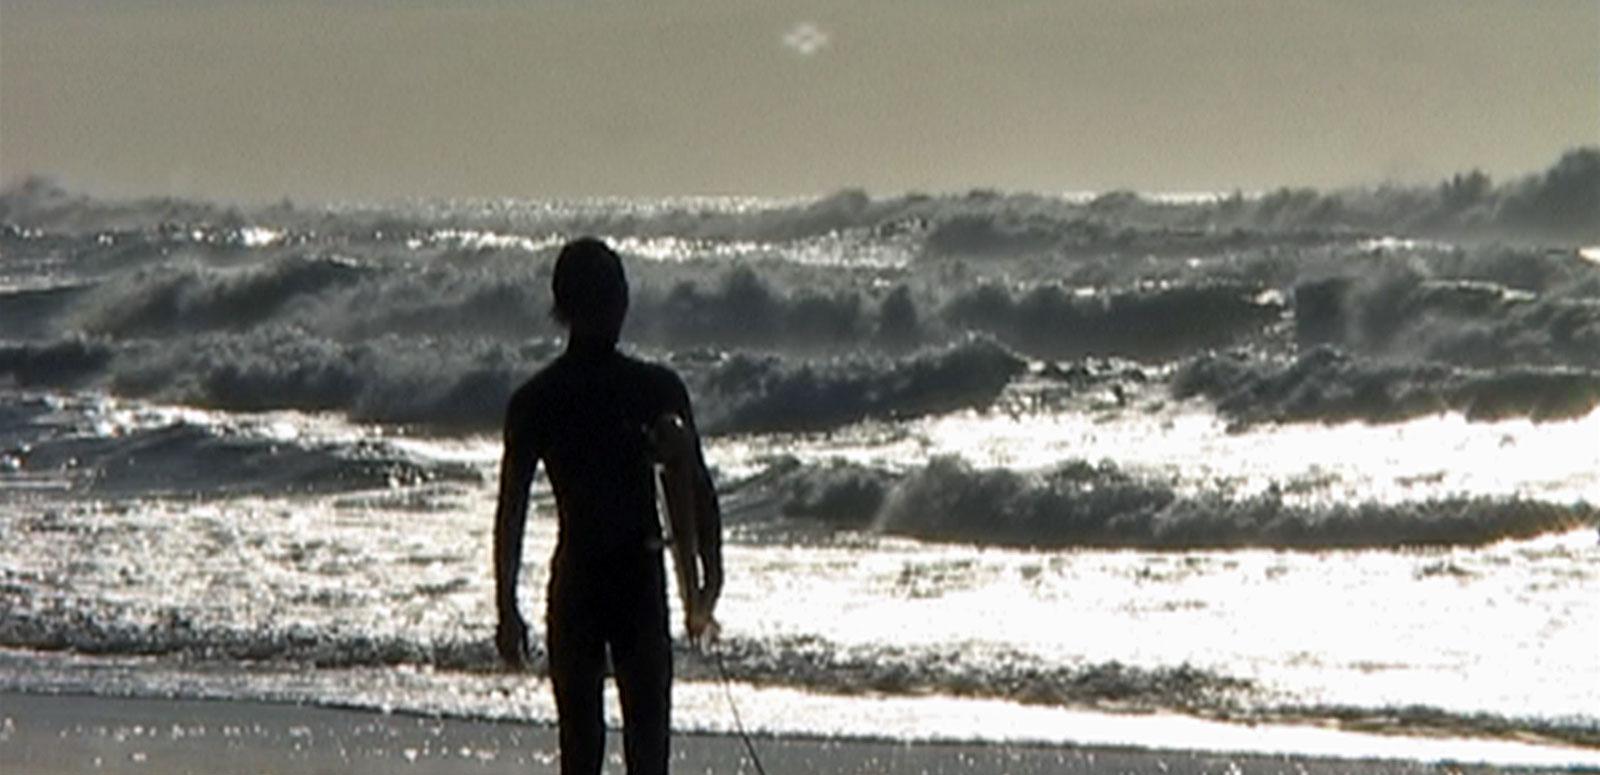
<point x="44" y="734"/>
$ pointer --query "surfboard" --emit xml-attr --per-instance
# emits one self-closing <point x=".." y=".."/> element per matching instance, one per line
<point x="677" y="468"/>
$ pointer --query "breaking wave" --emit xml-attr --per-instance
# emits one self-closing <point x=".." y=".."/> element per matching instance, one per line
<point x="1401" y="312"/>
<point x="502" y="299"/>
<point x="165" y="303"/>
<point x="1050" y="322"/>
<point x="100" y="458"/>
<point x="1100" y="505"/>
<point x="1328" y="385"/>
<point x="453" y="385"/>
<point x="751" y="394"/>
<point x="421" y="382"/>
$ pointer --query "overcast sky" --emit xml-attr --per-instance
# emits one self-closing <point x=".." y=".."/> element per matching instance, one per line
<point x="257" y="99"/>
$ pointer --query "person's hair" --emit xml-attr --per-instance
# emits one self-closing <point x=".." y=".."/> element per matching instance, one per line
<point x="590" y="290"/>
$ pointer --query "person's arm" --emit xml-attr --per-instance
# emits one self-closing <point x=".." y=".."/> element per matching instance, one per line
<point x="708" y="514"/>
<point x="510" y="519"/>
<point x="708" y="528"/>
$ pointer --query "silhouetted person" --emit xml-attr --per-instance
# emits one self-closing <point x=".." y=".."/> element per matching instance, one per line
<point x="586" y="416"/>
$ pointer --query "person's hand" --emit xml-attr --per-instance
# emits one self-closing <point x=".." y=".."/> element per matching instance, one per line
<point x="511" y="639"/>
<point x="703" y="627"/>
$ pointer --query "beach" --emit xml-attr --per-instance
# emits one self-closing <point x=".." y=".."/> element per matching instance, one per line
<point x="51" y="734"/>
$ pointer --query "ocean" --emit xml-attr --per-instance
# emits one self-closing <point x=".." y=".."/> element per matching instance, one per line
<point x="994" y="466"/>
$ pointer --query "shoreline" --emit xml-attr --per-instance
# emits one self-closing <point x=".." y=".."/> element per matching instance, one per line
<point x="58" y="734"/>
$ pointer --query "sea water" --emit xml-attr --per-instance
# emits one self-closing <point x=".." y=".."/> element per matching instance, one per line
<point x="993" y="468"/>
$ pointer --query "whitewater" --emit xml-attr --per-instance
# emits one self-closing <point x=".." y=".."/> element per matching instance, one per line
<point x="994" y="466"/>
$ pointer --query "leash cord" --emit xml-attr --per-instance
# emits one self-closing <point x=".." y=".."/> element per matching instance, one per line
<point x="738" y="723"/>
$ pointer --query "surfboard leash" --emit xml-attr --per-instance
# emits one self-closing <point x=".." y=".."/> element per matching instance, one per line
<point x="738" y="723"/>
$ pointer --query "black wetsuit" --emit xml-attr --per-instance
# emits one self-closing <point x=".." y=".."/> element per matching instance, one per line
<point x="585" y="415"/>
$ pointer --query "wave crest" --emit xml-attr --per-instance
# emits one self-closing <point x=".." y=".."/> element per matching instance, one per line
<point x="1328" y="385"/>
<point x="446" y="384"/>
<point x="1083" y="504"/>
<point x="1406" y="312"/>
<point x="764" y="394"/>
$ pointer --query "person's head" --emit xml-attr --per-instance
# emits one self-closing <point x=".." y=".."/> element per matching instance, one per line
<point x="591" y="293"/>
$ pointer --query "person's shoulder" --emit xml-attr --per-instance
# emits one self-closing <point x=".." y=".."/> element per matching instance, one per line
<point x="656" y="374"/>
<point x="652" y="370"/>
<point x="528" y="395"/>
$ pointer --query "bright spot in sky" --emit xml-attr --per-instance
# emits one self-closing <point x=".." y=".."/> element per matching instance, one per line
<point x="805" y="39"/>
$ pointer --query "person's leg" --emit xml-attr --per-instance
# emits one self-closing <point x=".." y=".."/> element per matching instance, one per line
<point x="641" y="655"/>
<point x="577" y="671"/>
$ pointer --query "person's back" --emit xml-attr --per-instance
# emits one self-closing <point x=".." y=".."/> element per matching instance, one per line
<point x="584" y="413"/>
<point x="586" y="416"/>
